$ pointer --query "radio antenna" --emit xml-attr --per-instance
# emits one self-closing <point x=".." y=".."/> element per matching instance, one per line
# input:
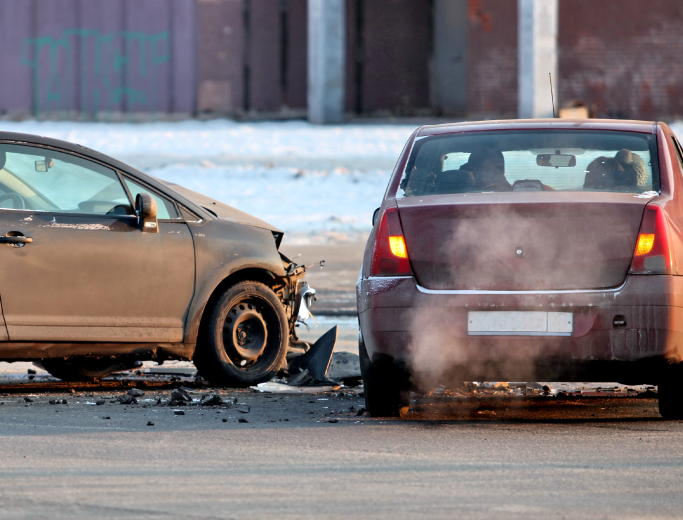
<point x="552" y="97"/>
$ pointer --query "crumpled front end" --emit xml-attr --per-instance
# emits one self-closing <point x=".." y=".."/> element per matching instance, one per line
<point x="295" y="294"/>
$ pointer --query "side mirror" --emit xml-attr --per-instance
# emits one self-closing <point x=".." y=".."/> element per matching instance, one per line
<point x="146" y="210"/>
<point x="374" y="217"/>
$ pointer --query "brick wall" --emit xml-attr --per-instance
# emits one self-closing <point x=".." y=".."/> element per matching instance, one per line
<point x="492" y="58"/>
<point x="624" y="57"/>
<point x="396" y="42"/>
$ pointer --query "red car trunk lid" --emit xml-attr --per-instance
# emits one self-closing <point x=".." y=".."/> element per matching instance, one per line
<point x="521" y="241"/>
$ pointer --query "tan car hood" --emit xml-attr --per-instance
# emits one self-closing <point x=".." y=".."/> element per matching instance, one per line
<point x="221" y="210"/>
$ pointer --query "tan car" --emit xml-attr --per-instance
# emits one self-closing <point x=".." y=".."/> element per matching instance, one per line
<point x="104" y="266"/>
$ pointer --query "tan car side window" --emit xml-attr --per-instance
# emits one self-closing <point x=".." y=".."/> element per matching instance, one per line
<point x="42" y="179"/>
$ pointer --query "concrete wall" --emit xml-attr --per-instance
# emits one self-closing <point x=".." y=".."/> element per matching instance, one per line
<point x="449" y="88"/>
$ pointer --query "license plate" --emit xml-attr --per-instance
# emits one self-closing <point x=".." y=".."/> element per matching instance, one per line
<point x="519" y="323"/>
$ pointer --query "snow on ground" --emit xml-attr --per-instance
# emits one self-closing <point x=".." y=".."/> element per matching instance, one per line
<point x="317" y="183"/>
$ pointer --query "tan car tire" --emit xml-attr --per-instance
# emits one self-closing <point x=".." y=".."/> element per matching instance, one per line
<point x="245" y="339"/>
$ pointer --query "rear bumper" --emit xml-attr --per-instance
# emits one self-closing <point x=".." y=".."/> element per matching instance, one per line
<point x="427" y="331"/>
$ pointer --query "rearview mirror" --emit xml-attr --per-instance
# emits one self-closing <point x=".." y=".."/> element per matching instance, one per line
<point x="146" y="210"/>
<point x="43" y="166"/>
<point x="557" y="160"/>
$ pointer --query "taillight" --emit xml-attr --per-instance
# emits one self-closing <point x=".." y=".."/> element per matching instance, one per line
<point x="390" y="256"/>
<point x="652" y="254"/>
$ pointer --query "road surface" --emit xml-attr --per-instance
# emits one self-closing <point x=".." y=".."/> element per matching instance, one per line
<point x="312" y="456"/>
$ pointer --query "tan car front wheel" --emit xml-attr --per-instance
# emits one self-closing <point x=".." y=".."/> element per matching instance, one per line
<point x="245" y="338"/>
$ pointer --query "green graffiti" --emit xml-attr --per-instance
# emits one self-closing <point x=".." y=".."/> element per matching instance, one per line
<point x="104" y="71"/>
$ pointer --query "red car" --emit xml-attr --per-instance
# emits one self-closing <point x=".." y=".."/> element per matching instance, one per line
<point x="530" y="250"/>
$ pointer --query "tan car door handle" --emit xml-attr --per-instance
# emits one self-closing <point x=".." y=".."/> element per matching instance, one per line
<point x="15" y="240"/>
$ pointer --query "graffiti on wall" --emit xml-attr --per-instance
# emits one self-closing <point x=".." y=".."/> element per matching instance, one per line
<point x="90" y="72"/>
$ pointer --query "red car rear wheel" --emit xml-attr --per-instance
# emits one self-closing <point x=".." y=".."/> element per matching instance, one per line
<point x="670" y="399"/>
<point x="386" y="386"/>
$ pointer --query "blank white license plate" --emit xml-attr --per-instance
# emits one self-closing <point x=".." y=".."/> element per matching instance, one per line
<point x="519" y="323"/>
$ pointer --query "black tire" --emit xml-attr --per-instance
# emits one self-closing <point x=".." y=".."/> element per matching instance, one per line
<point x="386" y="386"/>
<point x="245" y="339"/>
<point x="81" y="369"/>
<point x="670" y="398"/>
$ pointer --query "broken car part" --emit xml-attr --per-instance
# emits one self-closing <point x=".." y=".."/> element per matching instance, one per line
<point x="317" y="360"/>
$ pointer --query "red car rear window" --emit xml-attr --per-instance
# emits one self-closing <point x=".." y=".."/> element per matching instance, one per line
<point x="532" y="160"/>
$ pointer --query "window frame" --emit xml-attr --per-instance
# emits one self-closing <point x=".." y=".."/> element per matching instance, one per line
<point x="119" y="174"/>
<point x="679" y="152"/>
<point x="59" y="212"/>
<point x="124" y="175"/>
<point x="406" y="172"/>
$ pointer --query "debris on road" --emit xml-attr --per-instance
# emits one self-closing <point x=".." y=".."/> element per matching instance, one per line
<point x="150" y="423"/>
<point x="317" y="360"/>
<point x="172" y="371"/>
<point x="178" y="412"/>
<point x="345" y="367"/>
<point x="211" y="400"/>
<point x="180" y="396"/>
<point x="136" y="392"/>
<point x="307" y="372"/>
<point x="243" y="409"/>
<point x="275" y="387"/>
<point x="57" y="401"/>
<point x="242" y="420"/>
<point x="127" y="399"/>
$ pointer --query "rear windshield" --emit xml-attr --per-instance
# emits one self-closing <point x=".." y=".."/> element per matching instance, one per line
<point x="548" y="160"/>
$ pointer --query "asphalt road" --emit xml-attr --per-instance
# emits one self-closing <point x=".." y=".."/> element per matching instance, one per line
<point x="477" y="455"/>
<point x="312" y="456"/>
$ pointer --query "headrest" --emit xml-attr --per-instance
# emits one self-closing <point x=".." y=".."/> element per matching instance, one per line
<point x="608" y="173"/>
<point x="454" y="181"/>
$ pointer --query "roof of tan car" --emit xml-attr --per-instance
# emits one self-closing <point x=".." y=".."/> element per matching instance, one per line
<point x="540" y="124"/>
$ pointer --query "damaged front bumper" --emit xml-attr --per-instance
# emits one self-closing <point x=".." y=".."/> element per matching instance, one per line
<point x="628" y="334"/>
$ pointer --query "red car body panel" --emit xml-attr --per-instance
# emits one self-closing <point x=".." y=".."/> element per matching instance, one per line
<point x="420" y="322"/>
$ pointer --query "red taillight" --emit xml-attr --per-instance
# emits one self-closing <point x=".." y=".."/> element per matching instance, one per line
<point x="652" y="254"/>
<point x="390" y="256"/>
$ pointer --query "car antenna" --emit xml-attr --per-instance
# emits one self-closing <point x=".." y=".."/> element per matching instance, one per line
<point x="552" y="98"/>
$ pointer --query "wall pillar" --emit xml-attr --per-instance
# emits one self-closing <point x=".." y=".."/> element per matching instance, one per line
<point x="537" y="40"/>
<point x="449" y="60"/>
<point x="326" y="61"/>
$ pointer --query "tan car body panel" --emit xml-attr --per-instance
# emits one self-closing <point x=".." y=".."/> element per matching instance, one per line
<point x="145" y="295"/>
